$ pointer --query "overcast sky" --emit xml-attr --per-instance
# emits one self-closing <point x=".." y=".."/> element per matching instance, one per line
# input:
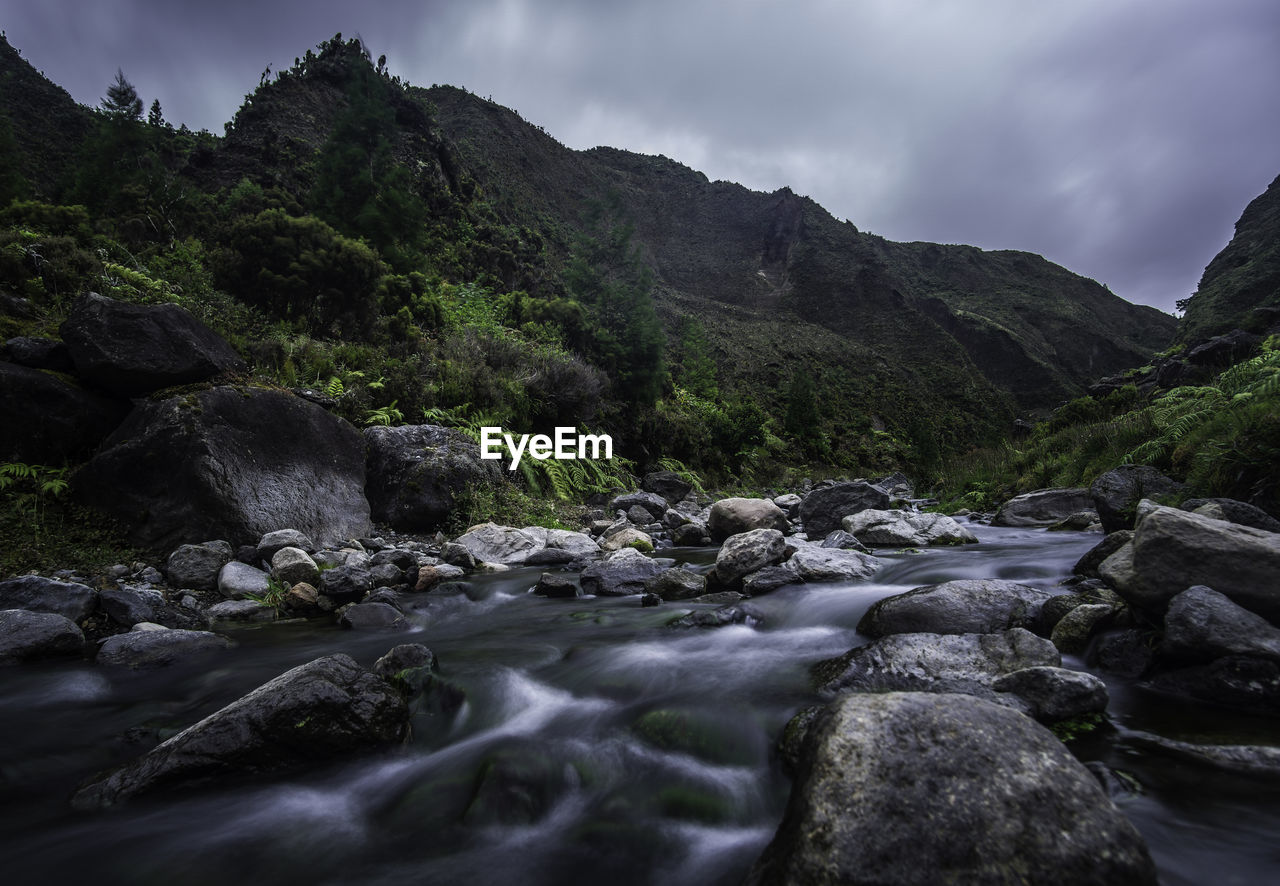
<point x="1119" y="138"/>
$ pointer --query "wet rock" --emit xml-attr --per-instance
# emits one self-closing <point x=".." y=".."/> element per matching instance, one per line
<point x="1129" y="652"/>
<point x="822" y="510"/>
<point x="619" y="574"/>
<point x="734" y="516"/>
<point x="811" y="563"/>
<point x="1053" y="694"/>
<point x="291" y="565"/>
<point x="39" y="594"/>
<point x="1116" y="493"/>
<point x="768" y="580"/>
<point x="272" y="542"/>
<point x="326" y="709"/>
<point x="924" y="662"/>
<point x="906" y="529"/>
<point x="704" y="733"/>
<point x="746" y="552"/>
<point x="1080" y="521"/>
<point x="197" y="566"/>
<point x="237" y="581"/>
<point x="1254" y="761"/>
<point x="455" y="554"/>
<point x="27" y="636"/>
<point x="677" y="584"/>
<point x="734" y="614"/>
<point x="557" y="586"/>
<point x="1088" y="565"/>
<point x="216" y="464"/>
<point x="1202" y="625"/>
<point x="969" y="606"/>
<point x="241" y="610"/>
<point x="133" y="349"/>
<point x="1018" y="806"/>
<point x="1044" y="507"/>
<point x="145" y="650"/>
<point x="1074" y="630"/>
<point x="373" y="616"/>
<point x="417" y="472"/>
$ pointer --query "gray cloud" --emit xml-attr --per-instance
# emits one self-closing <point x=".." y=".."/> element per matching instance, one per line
<point x="1119" y="138"/>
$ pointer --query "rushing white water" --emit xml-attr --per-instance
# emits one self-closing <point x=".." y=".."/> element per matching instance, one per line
<point x="596" y="745"/>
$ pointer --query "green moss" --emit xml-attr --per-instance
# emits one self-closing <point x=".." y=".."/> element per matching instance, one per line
<point x="1077" y="727"/>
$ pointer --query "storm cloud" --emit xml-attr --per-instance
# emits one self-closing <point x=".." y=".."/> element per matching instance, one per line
<point x="1120" y="139"/>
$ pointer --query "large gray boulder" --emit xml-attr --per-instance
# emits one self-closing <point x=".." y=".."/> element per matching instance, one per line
<point x="1173" y="550"/>
<point x="815" y="563"/>
<point x="323" y="710"/>
<point x="1202" y="625"/>
<point x="967" y="606"/>
<point x="48" y="420"/>
<point x="560" y="546"/>
<point x="131" y="349"/>
<point x="491" y="543"/>
<point x="746" y="552"/>
<point x="1233" y="512"/>
<point x="1117" y="492"/>
<point x="906" y="529"/>
<point x="733" y="516"/>
<point x="26" y="636"/>
<point x="823" y="509"/>
<point x="908" y="788"/>
<point x="415" y="474"/>
<point x="923" y="662"/>
<point x="39" y="594"/>
<point x="229" y="463"/>
<point x="1044" y="507"/>
<point x="619" y="574"/>
<point x="144" y="650"/>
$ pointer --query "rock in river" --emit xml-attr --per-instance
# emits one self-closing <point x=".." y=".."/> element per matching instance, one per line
<point x="968" y="606"/>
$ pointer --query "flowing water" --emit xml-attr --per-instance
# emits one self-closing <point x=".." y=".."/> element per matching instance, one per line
<point x="595" y="745"/>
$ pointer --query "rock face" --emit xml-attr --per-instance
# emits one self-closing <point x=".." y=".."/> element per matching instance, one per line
<point x="416" y="473"/>
<point x="322" y="710"/>
<point x="39" y="594"/>
<point x="913" y="788"/>
<point x="731" y="516"/>
<point x="25" y="636"/>
<point x="1044" y="507"/>
<point x="226" y="463"/>
<point x="1173" y="550"/>
<point x="48" y="420"/>
<point x="823" y="509"/>
<point x="1117" y="492"/>
<point x="972" y="606"/>
<point x="132" y="350"/>
<point x="906" y="529"/>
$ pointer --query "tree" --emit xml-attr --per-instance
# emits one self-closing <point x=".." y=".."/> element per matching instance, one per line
<point x="697" y="367"/>
<point x="802" y="406"/>
<point x="155" y="117"/>
<point x="122" y="102"/>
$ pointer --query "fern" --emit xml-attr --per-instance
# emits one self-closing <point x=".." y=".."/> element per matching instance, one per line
<point x="335" y="388"/>
<point x="683" y="471"/>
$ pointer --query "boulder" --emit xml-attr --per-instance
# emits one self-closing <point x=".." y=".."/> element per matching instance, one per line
<point x="292" y="565"/>
<point x="373" y="616"/>
<point x="1202" y="625"/>
<point x="789" y="502"/>
<point x="302" y="597"/>
<point x="838" y="538"/>
<point x="677" y="584"/>
<point x="823" y="509"/>
<point x="38" y="353"/>
<point x="282" y="538"/>
<point x="768" y="580"/>
<point x="229" y="463"/>
<point x="491" y="543"/>
<point x="1223" y="350"/>
<point x="567" y="545"/>
<point x="1044" y="507"/>
<point x="1173" y="550"/>
<point x="1052" y="694"/>
<point x="131" y="349"/>
<point x="745" y="552"/>
<point x="39" y="594"/>
<point x="627" y="537"/>
<point x="1233" y="512"/>
<point x="967" y="663"/>
<point x="128" y="607"/>
<point x="326" y="709"/>
<point x="667" y="484"/>
<point x="48" y="420"/>
<point x="733" y="516"/>
<point x="1116" y="493"/>
<point x="415" y="474"/>
<point x="619" y="574"/>
<point x="968" y="606"/>
<point x="346" y="584"/>
<point x="237" y="581"/>
<point x="813" y="563"/>
<point x="1087" y="565"/>
<point x="197" y="566"/>
<point x="690" y="535"/>
<point x="906" y="529"/>
<point x="554" y="585"/>
<point x="913" y="788"/>
<point x="26" y="636"/>
<point x="651" y="503"/>
<point x="1074" y="630"/>
<point x="144" y="650"/>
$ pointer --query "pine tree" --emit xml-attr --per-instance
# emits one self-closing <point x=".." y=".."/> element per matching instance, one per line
<point x="122" y="100"/>
<point x="697" y="367"/>
<point x="155" y="117"/>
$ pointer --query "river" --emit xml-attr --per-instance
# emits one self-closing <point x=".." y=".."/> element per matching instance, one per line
<point x="595" y="745"/>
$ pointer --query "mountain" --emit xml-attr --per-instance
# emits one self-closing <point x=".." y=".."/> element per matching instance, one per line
<point x="1242" y="278"/>
<point x="924" y="347"/>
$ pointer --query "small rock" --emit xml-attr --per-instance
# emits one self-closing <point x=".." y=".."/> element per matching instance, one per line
<point x="241" y="610"/>
<point x="1052" y="694"/>
<point x="197" y="566"/>
<point x="291" y="565"/>
<point x="282" y="538"/>
<point x="677" y="584"/>
<point x="238" y="581"/>
<point x="557" y="586"/>
<point x="375" y="616"/>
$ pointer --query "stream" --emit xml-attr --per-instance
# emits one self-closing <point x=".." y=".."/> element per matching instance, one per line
<point x="595" y="745"/>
